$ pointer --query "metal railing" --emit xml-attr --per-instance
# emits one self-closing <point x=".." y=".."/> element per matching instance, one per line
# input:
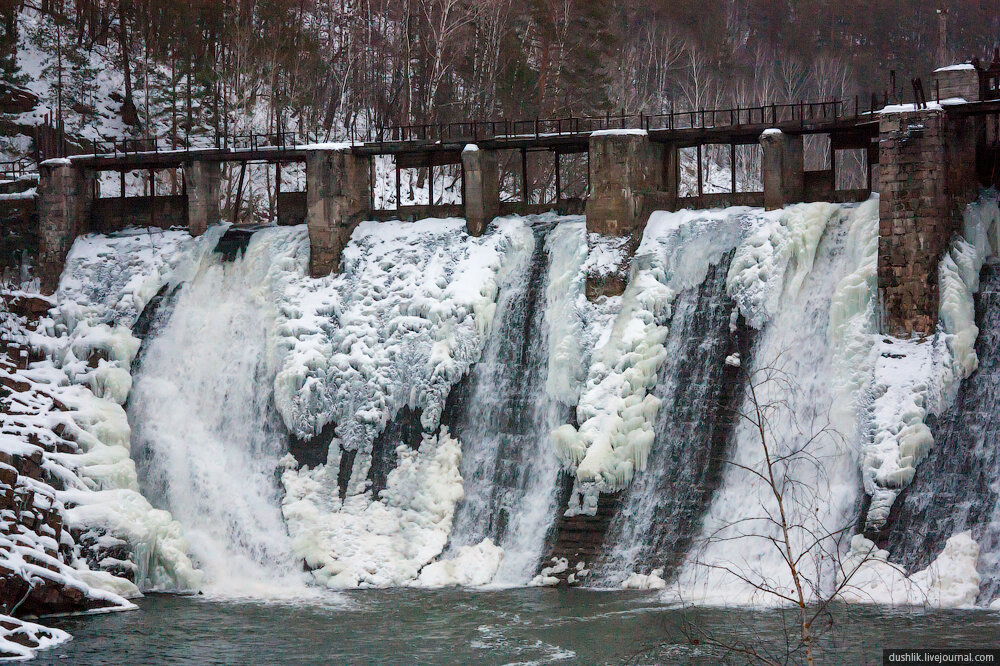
<point x="16" y="169"/>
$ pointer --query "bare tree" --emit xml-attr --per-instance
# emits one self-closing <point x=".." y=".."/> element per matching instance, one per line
<point x="788" y="468"/>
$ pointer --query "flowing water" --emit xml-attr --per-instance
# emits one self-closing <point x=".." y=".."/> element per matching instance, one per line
<point x="957" y="487"/>
<point x="663" y="506"/>
<point x="509" y="468"/>
<point x="206" y="438"/>
<point x="792" y="371"/>
<point x="527" y="626"/>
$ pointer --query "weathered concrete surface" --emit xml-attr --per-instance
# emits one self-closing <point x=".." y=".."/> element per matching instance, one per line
<point x="65" y="198"/>
<point x="480" y="188"/>
<point x="291" y="208"/>
<point x="627" y="174"/>
<point x="203" y="184"/>
<point x="338" y="188"/>
<point x="956" y="83"/>
<point x="623" y="169"/>
<point x="782" y="169"/>
<point x="113" y="214"/>
<point x="927" y="175"/>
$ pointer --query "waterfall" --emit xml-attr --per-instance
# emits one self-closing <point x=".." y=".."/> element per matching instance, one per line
<point x="821" y="488"/>
<point x="509" y="469"/>
<point x="957" y="487"/>
<point x="661" y="509"/>
<point x="205" y="436"/>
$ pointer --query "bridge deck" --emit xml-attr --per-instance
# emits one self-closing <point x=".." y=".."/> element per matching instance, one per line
<point x="853" y="129"/>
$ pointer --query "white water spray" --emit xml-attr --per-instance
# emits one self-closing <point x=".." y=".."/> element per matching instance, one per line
<point x="206" y="438"/>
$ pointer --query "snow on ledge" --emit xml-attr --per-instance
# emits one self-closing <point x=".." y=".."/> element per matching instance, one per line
<point x="956" y="68"/>
<point x="620" y="132"/>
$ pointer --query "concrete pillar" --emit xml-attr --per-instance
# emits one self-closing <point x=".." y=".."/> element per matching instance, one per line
<point x="926" y="178"/>
<point x="624" y="167"/>
<point x="480" y="188"/>
<point x="65" y="200"/>
<point x="627" y="176"/>
<point x="782" y="169"/>
<point x="338" y="197"/>
<point x="202" y="180"/>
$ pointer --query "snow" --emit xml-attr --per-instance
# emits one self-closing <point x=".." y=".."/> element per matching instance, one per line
<point x="365" y="542"/>
<point x="14" y="633"/>
<point x="912" y="378"/>
<point x="957" y="68"/>
<point x="930" y="106"/>
<point x="607" y="254"/>
<point x="474" y="566"/>
<point x="470" y="148"/>
<point x="620" y="132"/>
<point x="651" y="581"/>
<point x="402" y="323"/>
<point x="950" y="581"/>
<point x="616" y="410"/>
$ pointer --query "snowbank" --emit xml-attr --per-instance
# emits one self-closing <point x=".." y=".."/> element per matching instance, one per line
<point x="912" y="378"/>
<point x="361" y="542"/>
<point x="951" y="580"/>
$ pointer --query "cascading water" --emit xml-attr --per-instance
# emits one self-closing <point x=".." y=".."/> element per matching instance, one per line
<point x="508" y="468"/>
<point x="823" y="482"/>
<point x="957" y="487"/>
<point x="661" y="509"/>
<point x="205" y="435"/>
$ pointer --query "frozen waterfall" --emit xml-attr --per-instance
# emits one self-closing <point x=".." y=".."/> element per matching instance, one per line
<point x="206" y="437"/>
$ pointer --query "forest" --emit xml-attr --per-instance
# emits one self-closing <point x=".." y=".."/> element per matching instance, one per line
<point x="179" y="69"/>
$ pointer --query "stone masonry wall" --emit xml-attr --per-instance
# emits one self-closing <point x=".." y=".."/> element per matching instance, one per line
<point x="65" y="196"/>
<point x="926" y="178"/>
<point x="627" y="172"/>
<point x="337" y="200"/>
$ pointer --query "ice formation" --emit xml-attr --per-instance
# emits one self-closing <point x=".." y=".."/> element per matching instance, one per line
<point x="912" y="378"/>
<point x="364" y="542"/>
<point x="950" y="581"/>
<point x="107" y="282"/>
<point x="400" y="325"/>
<point x="473" y="566"/>
<point x="651" y="581"/>
<point x="616" y="410"/>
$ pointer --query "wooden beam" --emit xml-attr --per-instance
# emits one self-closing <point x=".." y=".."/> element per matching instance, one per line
<point x="732" y="168"/>
<point x="701" y="189"/>
<point x="524" y="176"/>
<point x="558" y="182"/>
<point x="239" y="192"/>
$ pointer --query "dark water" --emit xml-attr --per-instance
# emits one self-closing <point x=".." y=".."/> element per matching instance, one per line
<point x="504" y="421"/>
<point x="663" y="506"/>
<point x="957" y="487"/>
<point x="495" y="627"/>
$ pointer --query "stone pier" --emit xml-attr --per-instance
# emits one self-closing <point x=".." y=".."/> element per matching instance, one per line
<point x="782" y="169"/>
<point x="627" y="173"/>
<point x="927" y="175"/>
<point x="65" y="199"/>
<point x="338" y="191"/>
<point x="202" y="181"/>
<point x="480" y="188"/>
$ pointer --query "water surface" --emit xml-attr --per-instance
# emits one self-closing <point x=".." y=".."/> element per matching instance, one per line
<point x="455" y="626"/>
